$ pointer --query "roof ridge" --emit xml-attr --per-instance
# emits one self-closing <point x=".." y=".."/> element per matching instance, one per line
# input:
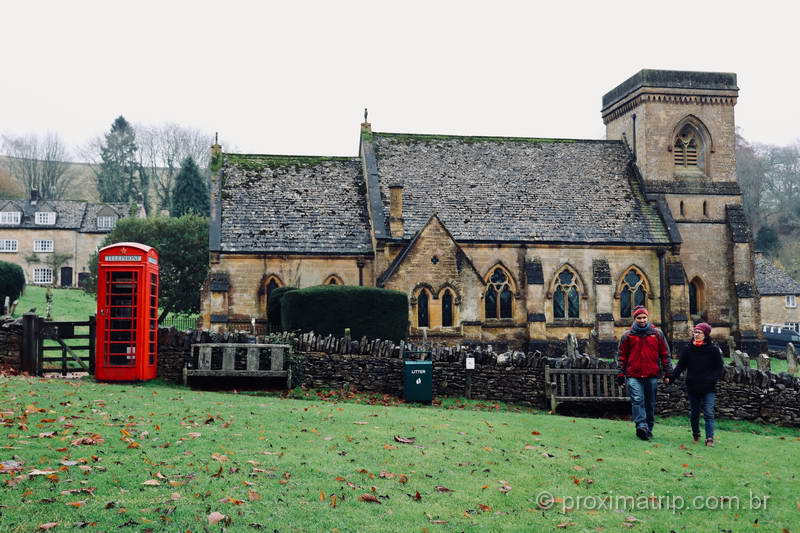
<point x="478" y="138"/>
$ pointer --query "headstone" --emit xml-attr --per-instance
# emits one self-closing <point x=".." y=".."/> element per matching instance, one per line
<point x="738" y="359"/>
<point x="791" y="359"/>
<point x="731" y="346"/>
<point x="764" y="363"/>
<point x="572" y="346"/>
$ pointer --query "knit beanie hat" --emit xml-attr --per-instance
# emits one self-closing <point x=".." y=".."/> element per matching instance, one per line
<point x="705" y="328"/>
<point x="640" y="310"/>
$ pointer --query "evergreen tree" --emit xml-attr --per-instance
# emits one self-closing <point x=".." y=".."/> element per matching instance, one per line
<point x="190" y="195"/>
<point x="118" y="176"/>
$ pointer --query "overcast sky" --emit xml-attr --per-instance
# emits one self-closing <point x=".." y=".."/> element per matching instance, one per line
<point x="293" y="77"/>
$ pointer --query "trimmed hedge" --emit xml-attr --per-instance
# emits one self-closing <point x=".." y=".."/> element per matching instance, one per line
<point x="12" y="282"/>
<point x="274" y="309"/>
<point x="329" y="309"/>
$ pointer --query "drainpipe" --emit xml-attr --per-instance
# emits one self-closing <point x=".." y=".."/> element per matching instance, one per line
<point x="634" y="136"/>
<point x="360" y="264"/>
<point x="662" y="281"/>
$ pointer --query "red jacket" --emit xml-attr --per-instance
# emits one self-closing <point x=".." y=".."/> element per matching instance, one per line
<point x="642" y="355"/>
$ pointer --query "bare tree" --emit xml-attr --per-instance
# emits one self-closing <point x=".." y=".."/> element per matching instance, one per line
<point x="161" y="150"/>
<point x="39" y="163"/>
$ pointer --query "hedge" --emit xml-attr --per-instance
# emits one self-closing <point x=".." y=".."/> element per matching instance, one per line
<point x="274" y="305"/>
<point x="12" y="282"/>
<point x="329" y="309"/>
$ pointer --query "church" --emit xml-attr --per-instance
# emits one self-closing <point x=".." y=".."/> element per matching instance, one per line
<point x="519" y="241"/>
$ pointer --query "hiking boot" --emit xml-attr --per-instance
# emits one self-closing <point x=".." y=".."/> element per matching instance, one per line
<point x="642" y="433"/>
<point x="710" y="442"/>
<point x="696" y="437"/>
<point x="649" y="434"/>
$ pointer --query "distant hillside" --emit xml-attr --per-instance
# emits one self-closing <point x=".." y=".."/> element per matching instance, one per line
<point x="82" y="186"/>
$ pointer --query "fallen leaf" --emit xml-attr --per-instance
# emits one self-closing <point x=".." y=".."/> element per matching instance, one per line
<point x="564" y="525"/>
<point x="333" y="501"/>
<point x="535" y="433"/>
<point x="215" y="517"/>
<point x="77" y="504"/>
<point x="484" y="508"/>
<point x="389" y="447"/>
<point x="362" y="424"/>
<point x="403" y="478"/>
<point x="152" y="483"/>
<point x="416" y="497"/>
<point x="442" y="488"/>
<point x="48" y="525"/>
<point x="405" y="440"/>
<point x="322" y="497"/>
<point x="504" y="488"/>
<point x="234" y="501"/>
<point x="175" y="496"/>
<point x="369" y="498"/>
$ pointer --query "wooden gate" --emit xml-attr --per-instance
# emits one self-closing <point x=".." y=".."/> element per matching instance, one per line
<point x="45" y="348"/>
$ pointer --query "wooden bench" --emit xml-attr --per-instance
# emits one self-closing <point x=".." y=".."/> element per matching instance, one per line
<point x="583" y="385"/>
<point x="238" y="360"/>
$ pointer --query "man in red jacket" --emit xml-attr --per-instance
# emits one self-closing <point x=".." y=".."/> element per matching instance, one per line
<point x="643" y="353"/>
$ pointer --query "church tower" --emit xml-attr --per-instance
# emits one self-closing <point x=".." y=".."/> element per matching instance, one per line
<point x="680" y="129"/>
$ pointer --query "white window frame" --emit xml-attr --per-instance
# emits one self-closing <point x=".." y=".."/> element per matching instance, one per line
<point x="106" y="222"/>
<point x="42" y="275"/>
<point x="46" y="218"/>
<point x="9" y="245"/>
<point x="43" y="245"/>
<point x="791" y="301"/>
<point x="10" y="217"/>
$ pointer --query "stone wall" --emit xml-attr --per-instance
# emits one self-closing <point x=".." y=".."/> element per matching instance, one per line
<point x="11" y="344"/>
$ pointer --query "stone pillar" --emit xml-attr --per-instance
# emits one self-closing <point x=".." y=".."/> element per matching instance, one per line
<point x="603" y="289"/>
<point x="535" y="300"/>
<point x="678" y="306"/>
<point x="791" y="359"/>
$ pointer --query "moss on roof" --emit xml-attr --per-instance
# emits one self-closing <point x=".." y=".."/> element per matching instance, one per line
<point x="259" y="161"/>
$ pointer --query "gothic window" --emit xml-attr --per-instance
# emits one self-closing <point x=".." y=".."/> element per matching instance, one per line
<point x="688" y="148"/>
<point x="447" y="308"/>
<point x="333" y="279"/>
<point x="423" y="317"/>
<point x="696" y="296"/>
<point x="499" y="298"/>
<point x="267" y="286"/>
<point x="633" y="292"/>
<point x="566" y="300"/>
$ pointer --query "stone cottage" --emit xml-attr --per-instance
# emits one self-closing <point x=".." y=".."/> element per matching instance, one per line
<point x="500" y="239"/>
<point x="779" y="294"/>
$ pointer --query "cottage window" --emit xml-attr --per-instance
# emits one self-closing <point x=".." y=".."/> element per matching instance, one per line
<point x="106" y="222"/>
<point x="43" y="245"/>
<point x="9" y="245"/>
<point x="45" y="218"/>
<point x="499" y="298"/>
<point x="423" y="317"/>
<point x="10" y="217"/>
<point x="42" y="275"/>
<point x="566" y="300"/>
<point x="791" y="301"/>
<point x="633" y="292"/>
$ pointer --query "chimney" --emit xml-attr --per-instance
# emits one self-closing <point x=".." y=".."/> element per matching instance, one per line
<point x="34" y="196"/>
<point x="396" y="211"/>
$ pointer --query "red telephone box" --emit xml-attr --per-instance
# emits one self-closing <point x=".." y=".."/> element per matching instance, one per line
<point x="126" y="347"/>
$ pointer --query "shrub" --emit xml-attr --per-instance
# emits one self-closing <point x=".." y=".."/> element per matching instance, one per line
<point x="329" y="309"/>
<point x="274" y="306"/>
<point x="12" y="282"/>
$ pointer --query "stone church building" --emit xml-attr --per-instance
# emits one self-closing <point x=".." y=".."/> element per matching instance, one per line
<point x="508" y="240"/>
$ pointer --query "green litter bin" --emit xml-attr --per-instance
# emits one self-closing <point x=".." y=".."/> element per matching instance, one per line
<point x="418" y="381"/>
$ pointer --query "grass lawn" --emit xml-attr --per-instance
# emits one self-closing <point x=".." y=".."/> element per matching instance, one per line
<point x="163" y="458"/>
<point x="68" y="304"/>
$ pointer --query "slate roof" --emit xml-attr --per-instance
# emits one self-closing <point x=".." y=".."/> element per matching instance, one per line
<point x="70" y="214"/>
<point x="521" y="190"/>
<point x="772" y="280"/>
<point x="293" y="204"/>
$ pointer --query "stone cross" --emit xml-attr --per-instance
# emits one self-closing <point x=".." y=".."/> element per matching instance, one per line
<point x="764" y="363"/>
<point x="791" y="359"/>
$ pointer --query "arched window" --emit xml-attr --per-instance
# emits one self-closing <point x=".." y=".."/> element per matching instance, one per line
<point x="632" y="292"/>
<point x="447" y="308"/>
<point x="688" y="152"/>
<point x="268" y="284"/>
<point x="423" y="317"/>
<point x="566" y="300"/>
<point x="683" y="211"/>
<point x="333" y="279"/>
<point x="697" y="295"/>
<point x="499" y="299"/>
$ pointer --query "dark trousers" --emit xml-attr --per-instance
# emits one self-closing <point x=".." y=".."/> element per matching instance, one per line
<point x="706" y="403"/>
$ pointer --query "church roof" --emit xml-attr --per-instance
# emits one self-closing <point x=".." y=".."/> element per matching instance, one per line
<point x="772" y="280"/>
<point x="490" y="189"/>
<point x="293" y="204"/>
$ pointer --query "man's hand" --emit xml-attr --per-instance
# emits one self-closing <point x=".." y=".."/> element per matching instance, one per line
<point x="667" y="379"/>
<point x="620" y="380"/>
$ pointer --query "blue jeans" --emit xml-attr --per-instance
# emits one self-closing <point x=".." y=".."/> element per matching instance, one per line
<point x="643" y="401"/>
<point x="706" y="402"/>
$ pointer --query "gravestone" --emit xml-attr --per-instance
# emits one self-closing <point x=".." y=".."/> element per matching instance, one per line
<point x="791" y="359"/>
<point x="572" y="346"/>
<point x="731" y="346"/>
<point x="739" y="359"/>
<point x="764" y="363"/>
